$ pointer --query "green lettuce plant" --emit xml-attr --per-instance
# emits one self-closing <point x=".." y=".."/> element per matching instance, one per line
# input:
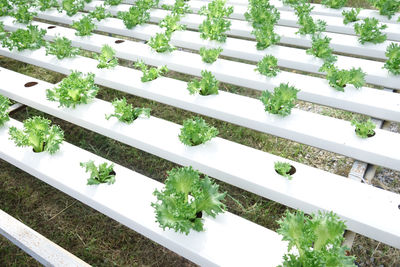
<point x="4" y="106"/>
<point x="281" y="101"/>
<point x="103" y="173"/>
<point x="351" y="15"/>
<point x="370" y="31"/>
<point x="392" y="64"/>
<point x="268" y="66"/>
<point x="62" y="48"/>
<point x="364" y="128"/>
<point x="185" y="198"/>
<point x="208" y="85"/>
<point x="125" y="112"/>
<point x="210" y="55"/>
<point x="150" y="73"/>
<point x="38" y="134"/>
<point x="196" y="131"/>
<point x="106" y="58"/>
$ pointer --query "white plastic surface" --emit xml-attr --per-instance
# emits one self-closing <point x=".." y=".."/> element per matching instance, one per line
<point x="39" y="247"/>
<point x="331" y="134"/>
<point x="342" y="43"/>
<point x="243" y="28"/>
<point x="288" y="57"/>
<point x="369" y="101"/>
<point x="253" y="170"/>
<point x="228" y="240"/>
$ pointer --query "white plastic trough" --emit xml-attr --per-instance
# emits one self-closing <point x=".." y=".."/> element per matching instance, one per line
<point x="253" y="170"/>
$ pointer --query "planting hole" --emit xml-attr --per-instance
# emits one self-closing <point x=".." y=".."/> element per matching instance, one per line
<point x="51" y="27"/>
<point x="119" y="41"/>
<point x="370" y="135"/>
<point x="398" y="206"/>
<point x="291" y="171"/>
<point x="112" y="173"/>
<point x="30" y="84"/>
<point x="198" y="215"/>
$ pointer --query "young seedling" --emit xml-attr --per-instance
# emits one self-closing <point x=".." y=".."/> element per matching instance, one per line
<point x="339" y="79"/>
<point x="318" y="240"/>
<point x="215" y="26"/>
<point x="208" y="85"/>
<point x="386" y="7"/>
<point x="106" y="58"/>
<point x="185" y="198"/>
<point x="38" y="134"/>
<point x="180" y="7"/>
<point x="370" y="31"/>
<point x="283" y="168"/>
<point x="23" y="15"/>
<point x="160" y="43"/>
<point x="47" y="4"/>
<point x="150" y="74"/>
<point x="351" y="15"/>
<point x="62" y="48"/>
<point x="196" y="131"/>
<point x="84" y="27"/>
<point x="334" y="3"/>
<point x="31" y="38"/>
<point x="210" y="55"/>
<point x="281" y="101"/>
<point x="261" y="13"/>
<point x="74" y="90"/>
<point x="99" y="13"/>
<point x="101" y="174"/>
<point x="364" y="128"/>
<point x="265" y="37"/>
<point x="268" y="66"/>
<point x="321" y="48"/>
<point x="112" y="2"/>
<point x="125" y="112"/>
<point x="171" y="24"/>
<point x="4" y="106"/>
<point x="392" y="64"/>
<point x="137" y="14"/>
<point x="71" y="7"/>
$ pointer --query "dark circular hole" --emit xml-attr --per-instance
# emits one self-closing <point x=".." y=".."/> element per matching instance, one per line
<point x="34" y="151"/>
<point x="51" y="27"/>
<point x="112" y="173"/>
<point x="198" y="215"/>
<point x="398" y="206"/>
<point x="369" y="135"/>
<point x="30" y="84"/>
<point x="119" y="41"/>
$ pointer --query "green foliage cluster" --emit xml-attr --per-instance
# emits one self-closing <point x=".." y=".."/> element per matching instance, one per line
<point x="185" y="198"/>
<point x="112" y="2"/>
<point x="281" y="101"/>
<point x="263" y="16"/>
<point x="386" y="7"/>
<point x="392" y="64"/>
<point x="138" y="13"/>
<point x="334" y="3"/>
<point x="196" y="131"/>
<point x="4" y="106"/>
<point x="160" y="43"/>
<point x="351" y="15"/>
<point x="22" y="14"/>
<point x="74" y="90"/>
<point x="320" y="48"/>
<point x="85" y="26"/>
<point x="106" y="58"/>
<point x="125" y="112"/>
<point x="215" y="26"/>
<point x="370" y="31"/>
<point x="180" y="7"/>
<point x="208" y="85"/>
<point x="306" y="22"/>
<point x="171" y="24"/>
<point x="5" y="7"/>
<point x="268" y="66"/>
<point x="103" y="173"/>
<point x="338" y="79"/>
<point x="29" y="38"/>
<point x="38" y="134"/>
<point x="62" y="48"/>
<point x="210" y="55"/>
<point x="47" y="4"/>
<point x="318" y="240"/>
<point x="283" y="168"/>
<point x="150" y="73"/>
<point x="100" y="13"/>
<point x="71" y="7"/>
<point x="364" y="128"/>
<point x="3" y="33"/>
